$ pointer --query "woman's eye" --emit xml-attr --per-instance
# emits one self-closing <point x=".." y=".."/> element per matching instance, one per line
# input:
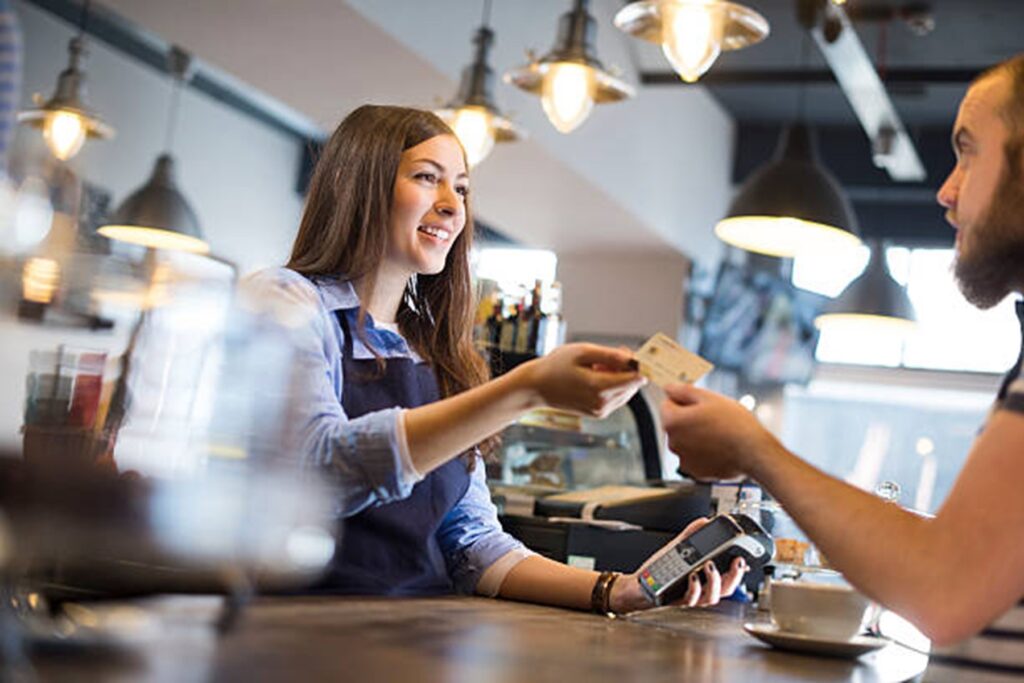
<point x="424" y="175"/>
<point x="464" y="191"/>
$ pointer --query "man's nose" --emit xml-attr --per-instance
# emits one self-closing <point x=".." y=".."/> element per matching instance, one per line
<point x="947" y="194"/>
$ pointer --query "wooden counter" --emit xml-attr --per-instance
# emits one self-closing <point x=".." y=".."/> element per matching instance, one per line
<point x="450" y="639"/>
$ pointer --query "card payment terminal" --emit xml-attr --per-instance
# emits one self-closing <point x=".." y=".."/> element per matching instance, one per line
<point x="664" y="577"/>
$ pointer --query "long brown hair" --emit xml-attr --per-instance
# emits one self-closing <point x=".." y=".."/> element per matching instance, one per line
<point x="344" y="232"/>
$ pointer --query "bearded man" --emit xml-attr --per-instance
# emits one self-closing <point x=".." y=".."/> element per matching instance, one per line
<point x="961" y="573"/>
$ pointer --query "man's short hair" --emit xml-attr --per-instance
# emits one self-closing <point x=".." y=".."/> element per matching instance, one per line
<point x="1013" y="108"/>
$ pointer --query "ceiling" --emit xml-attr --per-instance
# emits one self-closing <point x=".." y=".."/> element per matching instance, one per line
<point x="762" y="87"/>
<point x="650" y="174"/>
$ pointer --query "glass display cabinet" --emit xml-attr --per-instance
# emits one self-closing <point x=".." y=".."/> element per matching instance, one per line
<point x="550" y="455"/>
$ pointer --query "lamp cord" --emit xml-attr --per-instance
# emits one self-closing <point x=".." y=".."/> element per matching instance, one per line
<point x="172" y="115"/>
<point x="178" y="64"/>
<point x="485" y="20"/>
<point x="802" y="98"/>
<point x="83" y="22"/>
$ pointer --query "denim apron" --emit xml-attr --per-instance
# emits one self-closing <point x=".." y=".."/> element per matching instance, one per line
<point x="392" y="549"/>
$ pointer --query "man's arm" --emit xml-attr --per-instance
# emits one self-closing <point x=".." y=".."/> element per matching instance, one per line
<point x="950" y="575"/>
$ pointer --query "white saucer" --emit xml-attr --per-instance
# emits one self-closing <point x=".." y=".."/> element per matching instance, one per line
<point x="798" y="642"/>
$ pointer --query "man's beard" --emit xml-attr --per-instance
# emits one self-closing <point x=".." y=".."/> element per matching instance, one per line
<point x="990" y="264"/>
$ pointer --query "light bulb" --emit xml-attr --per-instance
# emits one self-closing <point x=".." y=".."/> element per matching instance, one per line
<point x="39" y="280"/>
<point x="64" y="132"/>
<point x="568" y="95"/>
<point x="692" y="36"/>
<point x="475" y="130"/>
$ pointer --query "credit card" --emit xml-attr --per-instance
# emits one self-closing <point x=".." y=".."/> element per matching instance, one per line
<point x="663" y="361"/>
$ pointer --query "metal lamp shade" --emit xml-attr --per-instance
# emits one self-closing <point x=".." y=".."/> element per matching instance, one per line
<point x="157" y="215"/>
<point x="575" y="44"/>
<point x="874" y="299"/>
<point x="792" y="206"/>
<point x="476" y="89"/>
<point x="69" y="97"/>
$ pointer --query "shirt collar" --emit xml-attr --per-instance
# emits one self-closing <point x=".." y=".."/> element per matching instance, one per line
<point x="337" y="294"/>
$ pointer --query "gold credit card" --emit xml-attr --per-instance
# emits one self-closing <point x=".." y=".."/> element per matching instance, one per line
<point x="663" y="361"/>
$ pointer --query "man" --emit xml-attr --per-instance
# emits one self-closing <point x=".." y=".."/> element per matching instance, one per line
<point x="954" y="574"/>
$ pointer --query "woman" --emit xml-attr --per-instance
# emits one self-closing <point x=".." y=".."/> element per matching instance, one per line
<point x="399" y="400"/>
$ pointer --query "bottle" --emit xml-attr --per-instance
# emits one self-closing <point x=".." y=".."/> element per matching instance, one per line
<point x="537" y="320"/>
<point x="524" y="326"/>
<point x="492" y="328"/>
<point x="507" y="340"/>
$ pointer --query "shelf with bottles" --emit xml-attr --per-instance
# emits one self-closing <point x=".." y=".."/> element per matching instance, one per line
<point x="515" y="326"/>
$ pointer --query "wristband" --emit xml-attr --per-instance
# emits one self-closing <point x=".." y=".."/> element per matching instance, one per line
<point x="601" y="596"/>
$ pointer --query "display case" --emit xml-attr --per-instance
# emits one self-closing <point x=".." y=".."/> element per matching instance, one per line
<point x="620" y="449"/>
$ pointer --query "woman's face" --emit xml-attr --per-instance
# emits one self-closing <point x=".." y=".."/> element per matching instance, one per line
<point x="428" y="205"/>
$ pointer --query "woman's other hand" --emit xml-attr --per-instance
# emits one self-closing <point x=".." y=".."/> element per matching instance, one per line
<point x="628" y="597"/>
<point x="583" y="378"/>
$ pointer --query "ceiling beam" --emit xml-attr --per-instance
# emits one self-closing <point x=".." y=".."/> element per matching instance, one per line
<point x="892" y="148"/>
<point x="725" y="77"/>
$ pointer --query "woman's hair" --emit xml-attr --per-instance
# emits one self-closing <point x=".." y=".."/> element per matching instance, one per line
<point x="345" y="227"/>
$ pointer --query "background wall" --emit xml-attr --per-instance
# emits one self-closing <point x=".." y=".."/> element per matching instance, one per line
<point x="239" y="175"/>
<point x="609" y="295"/>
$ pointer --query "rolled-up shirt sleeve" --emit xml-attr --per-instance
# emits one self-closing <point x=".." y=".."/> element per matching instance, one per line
<point x="471" y="537"/>
<point x="361" y="456"/>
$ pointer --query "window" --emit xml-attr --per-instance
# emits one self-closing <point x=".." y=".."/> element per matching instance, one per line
<point x="514" y="269"/>
<point x="951" y="334"/>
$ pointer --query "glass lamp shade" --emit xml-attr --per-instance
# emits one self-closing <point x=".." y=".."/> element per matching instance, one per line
<point x="568" y="95"/>
<point x="692" y="37"/>
<point x="157" y="215"/>
<point x="792" y="206"/>
<point x="872" y="302"/>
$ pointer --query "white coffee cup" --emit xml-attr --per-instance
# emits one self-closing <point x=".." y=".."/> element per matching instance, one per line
<point x="832" y="611"/>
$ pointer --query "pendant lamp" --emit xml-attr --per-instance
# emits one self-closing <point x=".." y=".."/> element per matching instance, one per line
<point x="65" y="119"/>
<point x="692" y="33"/>
<point x="570" y="79"/>
<point x="473" y="114"/>
<point x="157" y="215"/>
<point x="872" y="303"/>
<point x="791" y="207"/>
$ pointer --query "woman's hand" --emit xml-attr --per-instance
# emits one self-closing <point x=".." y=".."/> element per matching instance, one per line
<point x="583" y="378"/>
<point x="628" y="597"/>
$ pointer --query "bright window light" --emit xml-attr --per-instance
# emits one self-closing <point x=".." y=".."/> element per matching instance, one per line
<point x="952" y="334"/>
<point x="515" y="268"/>
<point x="829" y="275"/>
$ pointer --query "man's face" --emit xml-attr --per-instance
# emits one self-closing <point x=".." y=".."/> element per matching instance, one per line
<point x="984" y="197"/>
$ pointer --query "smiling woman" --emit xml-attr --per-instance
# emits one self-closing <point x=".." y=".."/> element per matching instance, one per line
<point x="397" y="406"/>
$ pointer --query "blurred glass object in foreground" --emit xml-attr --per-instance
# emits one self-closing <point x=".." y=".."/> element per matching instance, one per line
<point x="147" y="422"/>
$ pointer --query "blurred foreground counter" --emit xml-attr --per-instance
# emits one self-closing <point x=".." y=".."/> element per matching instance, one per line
<point x="440" y="639"/>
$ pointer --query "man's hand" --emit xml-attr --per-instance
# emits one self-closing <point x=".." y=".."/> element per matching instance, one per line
<point x="714" y="437"/>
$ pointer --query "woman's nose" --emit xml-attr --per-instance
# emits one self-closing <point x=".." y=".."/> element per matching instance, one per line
<point x="448" y="203"/>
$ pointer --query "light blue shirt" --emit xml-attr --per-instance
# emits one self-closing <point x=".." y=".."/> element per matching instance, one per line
<point x="363" y="455"/>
